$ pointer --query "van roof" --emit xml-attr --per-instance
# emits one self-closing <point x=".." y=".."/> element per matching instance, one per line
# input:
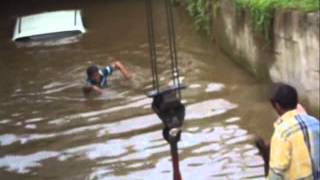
<point x="48" y="23"/>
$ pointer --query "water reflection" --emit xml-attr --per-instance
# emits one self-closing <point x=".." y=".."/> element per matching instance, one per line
<point x="194" y="111"/>
<point x="202" y="151"/>
<point x="216" y="151"/>
<point x="49" y="129"/>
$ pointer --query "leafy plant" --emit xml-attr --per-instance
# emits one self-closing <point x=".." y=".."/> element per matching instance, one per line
<point x="200" y="11"/>
<point x="261" y="10"/>
<point x="261" y="13"/>
<point x="304" y="5"/>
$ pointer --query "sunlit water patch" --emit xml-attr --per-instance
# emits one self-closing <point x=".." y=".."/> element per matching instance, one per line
<point x="206" y="152"/>
<point x="23" y="163"/>
<point x="195" y="111"/>
<point x="204" y="155"/>
<point x="5" y="121"/>
<point x="7" y="139"/>
<point x="214" y="87"/>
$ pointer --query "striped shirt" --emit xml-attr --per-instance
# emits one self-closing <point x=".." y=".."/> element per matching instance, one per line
<point x="104" y="73"/>
<point x="295" y="147"/>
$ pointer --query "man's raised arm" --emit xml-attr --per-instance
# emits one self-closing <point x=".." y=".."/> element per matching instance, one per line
<point x="119" y="66"/>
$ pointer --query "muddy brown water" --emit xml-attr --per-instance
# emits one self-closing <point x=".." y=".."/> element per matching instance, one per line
<point x="49" y="130"/>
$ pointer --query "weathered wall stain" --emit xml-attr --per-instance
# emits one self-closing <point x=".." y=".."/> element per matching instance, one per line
<point x="291" y="55"/>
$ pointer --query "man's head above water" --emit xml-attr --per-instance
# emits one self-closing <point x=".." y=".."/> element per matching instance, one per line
<point x="93" y="74"/>
<point x="97" y="77"/>
<point x="283" y="98"/>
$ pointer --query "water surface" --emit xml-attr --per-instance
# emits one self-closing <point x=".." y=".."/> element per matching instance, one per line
<point x="48" y="129"/>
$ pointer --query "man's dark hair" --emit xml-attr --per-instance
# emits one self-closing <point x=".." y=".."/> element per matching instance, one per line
<point x="91" y="70"/>
<point x="285" y="95"/>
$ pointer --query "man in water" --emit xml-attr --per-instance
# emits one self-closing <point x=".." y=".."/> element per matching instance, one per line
<point x="294" y="150"/>
<point x="97" y="78"/>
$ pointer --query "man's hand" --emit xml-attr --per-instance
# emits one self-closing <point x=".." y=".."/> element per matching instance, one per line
<point x="97" y="90"/>
<point x="264" y="151"/>
<point x="119" y="66"/>
<point x="87" y="90"/>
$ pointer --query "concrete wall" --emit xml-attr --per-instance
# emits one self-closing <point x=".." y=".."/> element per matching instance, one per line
<point x="291" y="56"/>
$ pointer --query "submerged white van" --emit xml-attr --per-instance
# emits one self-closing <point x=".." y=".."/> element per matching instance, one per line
<point x="48" y="25"/>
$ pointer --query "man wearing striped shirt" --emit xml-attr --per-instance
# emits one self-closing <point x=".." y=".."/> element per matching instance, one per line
<point x="295" y="143"/>
<point x="97" y="78"/>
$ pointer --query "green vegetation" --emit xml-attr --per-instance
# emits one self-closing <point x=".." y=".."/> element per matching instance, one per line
<point x="261" y="10"/>
<point x="200" y="11"/>
<point x="262" y="5"/>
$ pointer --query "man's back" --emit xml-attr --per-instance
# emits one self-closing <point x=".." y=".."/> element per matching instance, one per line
<point x="295" y="147"/>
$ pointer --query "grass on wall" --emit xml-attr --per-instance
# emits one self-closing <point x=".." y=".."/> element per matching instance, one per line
<point x="261" y="10"/>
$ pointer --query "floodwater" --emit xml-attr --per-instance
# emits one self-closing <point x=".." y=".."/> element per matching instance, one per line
<point x="49" y="130"/>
